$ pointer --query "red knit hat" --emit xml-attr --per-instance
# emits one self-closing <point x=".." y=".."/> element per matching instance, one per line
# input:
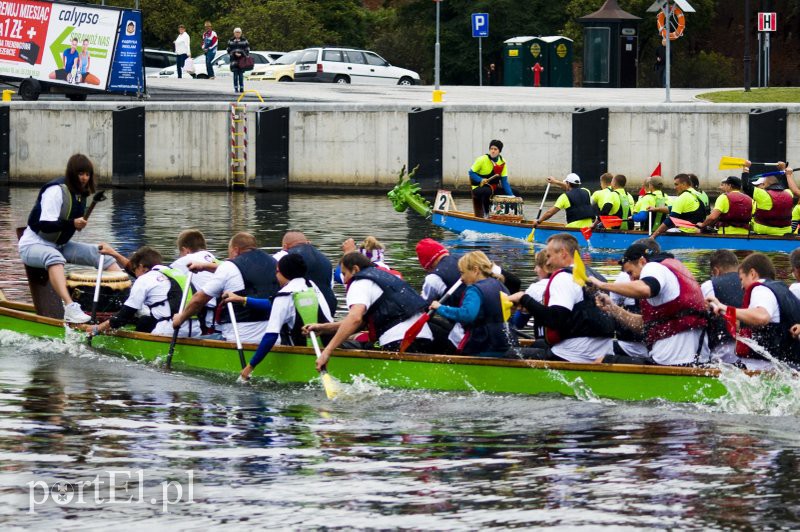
<point x="428" y="250"/>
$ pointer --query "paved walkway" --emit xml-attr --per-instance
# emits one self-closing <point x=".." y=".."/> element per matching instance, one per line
<point x="196" y="89"/>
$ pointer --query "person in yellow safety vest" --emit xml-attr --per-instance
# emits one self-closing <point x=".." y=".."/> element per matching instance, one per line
<point x="701" y="195"/>
<point x="576" y="203"/>
<point x="732" y="210"/>
<point x="489" y="173"/>
<point x="622" y="200"/>
<point x="603" y="195"/>
<point x="687" y="206"/>
<point x="654" y="197"/>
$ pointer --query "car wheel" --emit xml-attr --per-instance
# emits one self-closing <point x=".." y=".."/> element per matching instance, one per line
<point x="30" y="89"/>
<point x="341" y="80"/>
<point x="406" y="81"/>
<point x="286" y="78"/>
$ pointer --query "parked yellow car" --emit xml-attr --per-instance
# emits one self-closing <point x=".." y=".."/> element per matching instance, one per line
<point x="281" y="70"/>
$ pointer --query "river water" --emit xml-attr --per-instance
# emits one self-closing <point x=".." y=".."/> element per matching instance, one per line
<point x="188" y="451"/>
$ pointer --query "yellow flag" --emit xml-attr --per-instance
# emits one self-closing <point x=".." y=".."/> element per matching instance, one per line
<point x="579" y="270"/>
<point x="506" y="306"/>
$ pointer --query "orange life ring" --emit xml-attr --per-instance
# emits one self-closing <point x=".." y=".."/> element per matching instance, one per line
<point x="662" y="29"/>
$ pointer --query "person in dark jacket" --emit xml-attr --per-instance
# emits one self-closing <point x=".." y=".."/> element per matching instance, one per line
<point x="726" y="287"/>
<point x="238" y="48"/>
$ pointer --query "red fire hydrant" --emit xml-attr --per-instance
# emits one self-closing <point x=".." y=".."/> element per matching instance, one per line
<point x="537" y="75"/>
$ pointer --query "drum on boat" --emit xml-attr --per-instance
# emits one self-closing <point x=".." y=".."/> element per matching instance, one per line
<point x="506" y="207"/>
<point x="115" y="287"/>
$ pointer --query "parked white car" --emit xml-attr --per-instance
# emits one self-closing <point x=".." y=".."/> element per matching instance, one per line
<point x="349" y="65"/>
<point x="222" y="64"/>
<point x="157" y="60"/>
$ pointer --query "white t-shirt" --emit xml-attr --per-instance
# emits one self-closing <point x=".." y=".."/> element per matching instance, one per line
<point x="199" y="279"/>
<point x="149" y="289"/>
<point x="565" y="293"/>
<point x="229" y="278"/>
<point x="182" y="44"/>
<point x="682" y="347"/>
<point x="51" y="209"/>
<point x="795" y="289"/>
<point x="366" y="292"/>
<point x="761" y="296"/>
<point x="622" y="277"/>
<point x="433" y="287"/>
<point x="708" y="289"/>
<point x="283" y="310"/>
<point x="536" y="290"/>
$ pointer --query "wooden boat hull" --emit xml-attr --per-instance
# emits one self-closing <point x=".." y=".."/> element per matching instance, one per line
<point x="459" y="222"/>
<point x="428" y="372"/>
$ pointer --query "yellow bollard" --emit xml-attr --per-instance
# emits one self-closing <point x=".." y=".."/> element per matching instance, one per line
<point x="7" y="95"/>
<point x="438" y="96"/>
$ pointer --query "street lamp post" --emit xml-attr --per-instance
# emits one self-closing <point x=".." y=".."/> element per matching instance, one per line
<point x="746" y="45"/>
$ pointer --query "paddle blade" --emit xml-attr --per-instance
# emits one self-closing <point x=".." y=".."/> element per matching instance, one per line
<point x="731" y="163"/>
<point x="331" y="385"/>
<point x="529" y="238"/>
<point x="657" y="171"/>
<point x="506" y="305"/>
<point x="413" y="332"/>
<point x="586" y="232"/>
<point x="679" y="222"/>
<point x="579" y="270"/>
<point x="611" y="222"/>
<point x="730" y="320"/>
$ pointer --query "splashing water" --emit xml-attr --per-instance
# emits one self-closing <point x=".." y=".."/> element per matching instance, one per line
<point x="775" y="392"/>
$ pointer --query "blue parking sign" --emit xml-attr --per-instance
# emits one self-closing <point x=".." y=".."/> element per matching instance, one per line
<point x="480" y="24"/>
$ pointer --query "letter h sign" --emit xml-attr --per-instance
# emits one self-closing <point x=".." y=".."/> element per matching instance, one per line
<point x="767" y="22"/>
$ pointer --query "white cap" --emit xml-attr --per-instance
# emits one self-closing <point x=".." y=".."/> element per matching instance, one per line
<point x="237" y="29"/>
<point x="573" y="179"/>
<point x="759" y="181"/>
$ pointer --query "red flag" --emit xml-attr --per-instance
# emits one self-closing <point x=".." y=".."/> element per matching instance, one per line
<point x="586" y="232"/>
<point x="657" y="171"/>
<point x="642" y="191"/>
<point x="730" y="320"/>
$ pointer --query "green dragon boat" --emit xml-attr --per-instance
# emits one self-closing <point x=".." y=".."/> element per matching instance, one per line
<point x="388" y="369"/>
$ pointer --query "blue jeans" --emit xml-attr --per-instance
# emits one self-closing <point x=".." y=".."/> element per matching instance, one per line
<point x="181" y="60"/>
<point x="238" y="79"/>
<point x="210" y="62"/>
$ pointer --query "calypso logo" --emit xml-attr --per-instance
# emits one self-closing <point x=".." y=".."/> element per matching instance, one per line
<point x="77" y="18"/>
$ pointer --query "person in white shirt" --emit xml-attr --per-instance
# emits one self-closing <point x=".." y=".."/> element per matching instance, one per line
<point x="249" y="272"/>
<point x="674" y="315"/>
<point x="794" y="261"/>
<point x="575" y="329"/>
<point x="153" y="299"/>
<point x="299" y="301"/>
<point x="726" y="287"/>
<point x="768" y="312"/>
<point x="182" y="48"/>
<point x="195" y="257"/>
<point x="389" y="305"/>
<point x="57" y="214"/>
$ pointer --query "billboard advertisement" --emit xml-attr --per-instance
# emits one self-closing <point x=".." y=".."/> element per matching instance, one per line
<point x="70" y="44"/>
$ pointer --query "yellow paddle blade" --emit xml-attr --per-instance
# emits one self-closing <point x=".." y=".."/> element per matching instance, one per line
<point x="506" y="306"/>
<point x="579" y="270"/>
<point x="331" y="385"/>
<point x="529" y="238"/>
<point x="731" y="163"/>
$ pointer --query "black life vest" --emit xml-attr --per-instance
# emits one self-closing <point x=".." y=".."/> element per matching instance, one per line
<point x="258" y="272"/>
<point x="398" y="302"/>
<point x="695" y="216"/>
<point x="586" y="319"/>
<point x="319" y="270"/>
<point x="72" y="206"/>
<point x="447" y="270"/>
<point x="488" y="334"/>
<point x="728" y="289"/>
<point x="580" y="205"/>
<point x="774" y="337"/>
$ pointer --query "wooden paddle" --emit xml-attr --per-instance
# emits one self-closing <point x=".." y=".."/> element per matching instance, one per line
<point x="541" y="206"/>
<point x="416" y="327"/>
<point x="184" y="295"/>
<point x="331" y="385"/>
<point x="98" y="197"/>
<point x="97" y="281"/>
<point x="236" y="334"/>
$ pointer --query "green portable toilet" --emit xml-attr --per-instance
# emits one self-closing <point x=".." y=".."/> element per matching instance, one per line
<point x="558" y="69"/>
<point x="517" y="62"/>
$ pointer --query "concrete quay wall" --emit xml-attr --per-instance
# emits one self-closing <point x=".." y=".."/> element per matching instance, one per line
<point x="363" y="146"/>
